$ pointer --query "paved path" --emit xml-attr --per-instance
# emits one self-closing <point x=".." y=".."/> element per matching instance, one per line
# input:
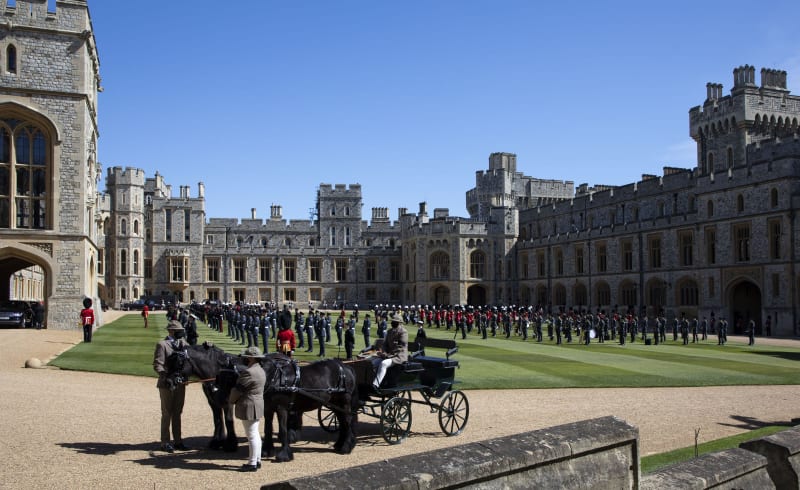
<point x="64" y="429"/>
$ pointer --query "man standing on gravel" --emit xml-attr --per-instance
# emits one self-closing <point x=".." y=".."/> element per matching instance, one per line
<point x="172" y="395"/>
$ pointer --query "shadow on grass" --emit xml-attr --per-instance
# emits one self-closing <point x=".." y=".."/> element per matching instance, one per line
<point x="788" y="355"/>
<point x="750" y="423"/>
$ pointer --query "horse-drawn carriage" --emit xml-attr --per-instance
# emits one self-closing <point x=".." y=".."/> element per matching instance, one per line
<point x="430" y="378"/>
<point x="337" y="390"/>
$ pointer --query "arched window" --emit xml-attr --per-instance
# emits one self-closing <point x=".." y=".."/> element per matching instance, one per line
<point x="739" y="203"/>
<point x="773" y="198"/>
<point x="477" y="264"/>
<point x="123" y="227"/>
<point x="710" y="208"/>
<point x="347" y="210"/>
<point x="440" y="266"/>
<point x="730" y="157"/>
<point x="11" y="59"/>
<point x="25" y="189"/>
<point x="136" y="227"/>
<point x="135" y="262"/>
<point x="711" y="162"/>
<point x="123" y="293"/>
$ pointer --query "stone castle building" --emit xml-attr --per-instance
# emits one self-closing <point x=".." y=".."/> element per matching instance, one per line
<point x="717" y="239"/>
<point x="49" y="209"/>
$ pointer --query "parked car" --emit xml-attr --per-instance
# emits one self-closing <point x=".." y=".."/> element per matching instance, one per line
<point x="133" y="305"/>
<point x="15" y="313"/>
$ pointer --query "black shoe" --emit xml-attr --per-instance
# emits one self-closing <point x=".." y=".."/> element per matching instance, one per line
<point x="167" y="448"/>
<point x="258" y="465"/>
<point x="181" y="447"/>
<point x="248" y="467"/>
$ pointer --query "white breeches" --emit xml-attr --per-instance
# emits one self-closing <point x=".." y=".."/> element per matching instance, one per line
<point x="254" y="438"/>
<point x="382" y="367"/>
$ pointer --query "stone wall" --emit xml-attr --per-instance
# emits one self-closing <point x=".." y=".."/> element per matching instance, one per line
<point x="600" y="454"/>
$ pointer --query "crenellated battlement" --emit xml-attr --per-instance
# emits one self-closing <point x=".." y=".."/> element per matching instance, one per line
<point x="125" y="176"/>
<point x="339" y="190"/>
<point x="64" y="15"/>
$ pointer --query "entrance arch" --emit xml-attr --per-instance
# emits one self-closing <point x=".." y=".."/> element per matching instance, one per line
<point x="31" y="274"/>
<point x="744" y="304"/>
<point x="476" y="295"/>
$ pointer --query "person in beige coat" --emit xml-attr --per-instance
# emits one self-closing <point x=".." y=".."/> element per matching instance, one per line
<point x="248" y="397"/>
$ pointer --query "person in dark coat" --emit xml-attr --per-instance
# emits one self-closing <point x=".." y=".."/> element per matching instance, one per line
<point x="350" y="339"/>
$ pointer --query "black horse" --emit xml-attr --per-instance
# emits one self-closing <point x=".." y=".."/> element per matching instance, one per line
<point x="219" y="372"/>
<point x="293" y="389"/>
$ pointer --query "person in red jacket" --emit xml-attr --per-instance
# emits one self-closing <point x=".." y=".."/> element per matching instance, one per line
<point x="87" y="319"/>
<point x="285" y="342"/>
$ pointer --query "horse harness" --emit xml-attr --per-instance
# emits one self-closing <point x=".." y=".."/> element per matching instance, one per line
<point x="279" y="382"/>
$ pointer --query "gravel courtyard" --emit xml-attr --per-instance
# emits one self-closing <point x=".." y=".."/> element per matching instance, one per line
<point x="64" y="429"/>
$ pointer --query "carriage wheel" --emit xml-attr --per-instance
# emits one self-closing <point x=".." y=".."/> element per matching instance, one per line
<point x="327" y="419"/>
<point x="453" y="413"/>
<point x="396" y="420"/>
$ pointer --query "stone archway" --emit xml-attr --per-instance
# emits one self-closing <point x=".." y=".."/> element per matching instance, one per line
<point x="15" y="262"/>
<point x="744" y="304"/>
<point x="476" y="295"/>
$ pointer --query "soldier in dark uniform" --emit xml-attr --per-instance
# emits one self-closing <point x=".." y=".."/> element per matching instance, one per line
<point x="704" y="329"/>
<point x="264" y="331"/>
<point x="623" y="330"/>
<point x="339" y="330"/>
<point x="694" y="330"/>
<point x="538" y="328"/>
<point x="350" y="338"/>
<point x="559" y="325"/>
<point x="365" y="330"/>
<point x="321" y="335"/>
<point x="310" y="324"/>
<point x="382" y="326"/>
<point x="751" y="332"/>
<point x="684" y="329"/>
<point x="300" y="329"/>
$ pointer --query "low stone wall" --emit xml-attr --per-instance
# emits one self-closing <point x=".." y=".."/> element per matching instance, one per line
<point x="782" y="451"/>
<point x="733" y="468"/>
<point x="599" y="454"/>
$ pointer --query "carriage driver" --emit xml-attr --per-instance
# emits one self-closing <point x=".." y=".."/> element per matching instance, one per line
<point x="393" y="351"/>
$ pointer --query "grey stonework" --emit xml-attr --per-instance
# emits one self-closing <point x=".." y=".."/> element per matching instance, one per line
<point x="54" y="87"/>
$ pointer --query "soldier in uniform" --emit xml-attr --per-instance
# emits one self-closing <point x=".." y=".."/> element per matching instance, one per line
<point x="339" y="330"/>
<point x="694" y="330"/>
<point x="559" y="324"/>
<point x="365" y="330"/>
<point x="310" y="325"/>
<point x="704" y="329"/>
<point x="350" y="338"/>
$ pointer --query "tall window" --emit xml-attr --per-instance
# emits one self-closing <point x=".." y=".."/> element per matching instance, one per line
<point x="394" y="270"/>
<point x="372" y="270"/>
<point x="24" y="175"/>
<point x="135" y="262"/>
<point x="440" y="265"/>
<point x="11" y="59"/>
<point x="212" y="270"/>
<point x="477" y="264"/>
<point x="187" y="220"/>
<point x="315" y="270"/>
<point x="341" y="269"/>
<point x="559" y="262"/>
<point x="711" y="246"/>
<point x="290" y="270"/>
<point x="136" y="227"/>
<point x="688" y="293"/>
<point x="332" y="236"/>
<point x="579" y="263"/>
<point x="148" y="268"/>
<point x="741" y="235"/>
<point x="168" y="224"/>
<point x="775" y="239"/>
<point x="655" y="252"/>
<point x="347" y="236"/>
<point x="240" y="270"/>
<point x="627" y="255"/>
<point x="602" y="261"/>
<point x="264" y="267"/>
<point x="523" y="266"/>
<point x="123" y="262"/>
<point x="628" y="294"/>
<point x="773" y="198"/>
<point x="687" y="249"/>
<point x="540" y="265"/>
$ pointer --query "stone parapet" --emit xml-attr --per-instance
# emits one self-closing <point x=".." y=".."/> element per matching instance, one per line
<point x="734" y="468"/>
<point x="782" y="451"/>
<point x="601" y="453"/>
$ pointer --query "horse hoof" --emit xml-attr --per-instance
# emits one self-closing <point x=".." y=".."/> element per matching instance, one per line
<point x="215" y="444"/>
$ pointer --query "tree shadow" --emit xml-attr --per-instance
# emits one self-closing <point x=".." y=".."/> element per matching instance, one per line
<point x="788" y="355"/>
<point x="750" y="423"/>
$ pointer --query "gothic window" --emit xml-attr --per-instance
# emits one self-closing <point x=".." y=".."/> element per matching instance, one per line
<point x="775" y="239"/>
<point x="135" y="262"/>
<point x="710" y="208"/>
<point x="123" y="262"/>
<point x="711" y="162"/>
<point x="773" y="198"/>
<point x="739" y="203"/>
<point x="711" y="246"/>
<point x="627" y="255"/>
<point x="347" y="210"/>
<point x="136" y="227"/>
<point x="730" y="158"/>
<point x="123" y="227"/>
<point x="25" y="189"/>
<point x="741" y="235"/>
<point x="440" y="266"/>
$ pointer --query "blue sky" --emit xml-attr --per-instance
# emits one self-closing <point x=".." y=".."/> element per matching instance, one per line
<point x="264" y="100"/>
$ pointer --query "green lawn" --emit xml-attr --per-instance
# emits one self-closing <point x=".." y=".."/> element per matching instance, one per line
<point x="124" y="347"/>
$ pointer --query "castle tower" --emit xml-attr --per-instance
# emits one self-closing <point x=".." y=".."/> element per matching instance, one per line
<point x="725" y="125"/>
<point x="339" y="212"/>
<point x="49" y="80"/>
<point x="125" y="241"/>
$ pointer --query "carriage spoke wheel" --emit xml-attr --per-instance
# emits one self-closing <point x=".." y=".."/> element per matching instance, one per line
<point x="453" y="413"/>
<point x="396" y="420"/>
<point x="327" y="419"/>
